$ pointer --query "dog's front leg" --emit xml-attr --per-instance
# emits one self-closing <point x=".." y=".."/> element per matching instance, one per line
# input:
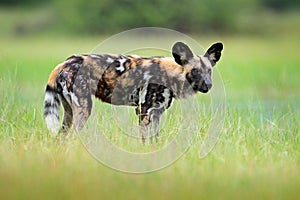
<point x="149" y="121"/>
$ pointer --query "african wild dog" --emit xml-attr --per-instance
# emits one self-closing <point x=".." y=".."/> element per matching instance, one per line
<point x="148" y="83"/>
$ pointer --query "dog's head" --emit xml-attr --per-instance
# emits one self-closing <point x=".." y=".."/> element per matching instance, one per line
<point x="198" y="67"/>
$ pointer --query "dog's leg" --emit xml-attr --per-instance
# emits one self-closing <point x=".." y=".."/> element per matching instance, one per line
<point x="149" y="120"/>
<point x="157" y="99"/>
<point x="155" y="117"/>
<point x="81" y="111"/>
<point x="68" y="115"/>
<point x="81" y="101"/>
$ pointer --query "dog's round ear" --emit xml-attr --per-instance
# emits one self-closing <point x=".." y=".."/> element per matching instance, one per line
<point x="181" y="53"/>
<point x="214" y="53"/>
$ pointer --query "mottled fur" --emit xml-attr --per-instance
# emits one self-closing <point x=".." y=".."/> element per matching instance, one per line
<point x="148" y="83"/>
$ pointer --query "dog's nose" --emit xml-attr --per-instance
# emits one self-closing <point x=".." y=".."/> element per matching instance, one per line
<point x="204" y="88"/>
<point x="208" y="85"/>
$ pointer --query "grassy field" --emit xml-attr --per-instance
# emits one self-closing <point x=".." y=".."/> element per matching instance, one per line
<point x="257" y="157"/>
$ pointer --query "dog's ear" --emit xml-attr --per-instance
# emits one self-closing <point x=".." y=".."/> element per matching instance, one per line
<point x="214" y="53"/>
<point x="181" y="53"/>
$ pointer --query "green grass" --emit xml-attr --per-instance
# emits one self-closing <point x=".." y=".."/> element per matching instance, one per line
<point x="258" y="155"/>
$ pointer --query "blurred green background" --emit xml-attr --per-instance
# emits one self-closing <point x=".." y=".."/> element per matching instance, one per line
<point x="111" y="16"/>
<point x="258" y="156"/>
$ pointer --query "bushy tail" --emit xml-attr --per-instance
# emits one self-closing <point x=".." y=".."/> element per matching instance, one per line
<point x="52" y="102"/>
<point x="52" y="109"/>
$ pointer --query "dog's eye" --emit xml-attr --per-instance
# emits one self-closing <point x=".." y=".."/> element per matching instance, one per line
<point x="194" y="72"/>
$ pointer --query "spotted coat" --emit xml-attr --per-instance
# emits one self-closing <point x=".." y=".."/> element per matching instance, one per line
<point x="148" y="83"/>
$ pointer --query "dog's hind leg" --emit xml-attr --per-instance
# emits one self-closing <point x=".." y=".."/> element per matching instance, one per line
<point x="68" y="115"/>
<point x="81" y="103"/>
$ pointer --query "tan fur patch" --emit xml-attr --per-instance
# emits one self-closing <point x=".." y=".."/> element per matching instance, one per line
<point x="171" y="67"/>
<point x="54" y="73"/>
